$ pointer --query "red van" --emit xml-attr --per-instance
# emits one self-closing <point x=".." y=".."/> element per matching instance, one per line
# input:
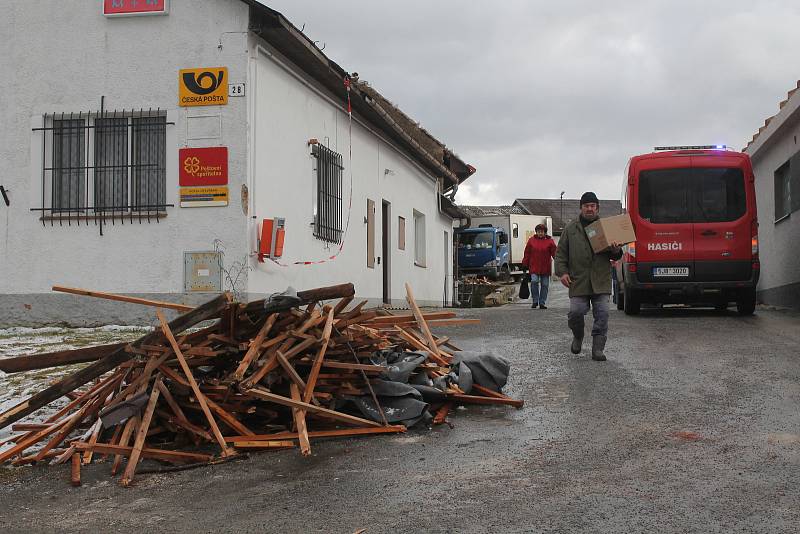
<point x="694" y="212"/>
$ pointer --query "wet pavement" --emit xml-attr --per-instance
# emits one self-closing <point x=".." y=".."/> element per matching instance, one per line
<point x="693" y="425"/>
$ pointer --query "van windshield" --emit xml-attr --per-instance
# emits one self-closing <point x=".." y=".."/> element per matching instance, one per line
<point x="476" y="240"/>
<point x="692" y="195"/>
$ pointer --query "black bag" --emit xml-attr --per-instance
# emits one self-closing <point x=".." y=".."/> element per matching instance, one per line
<point x="524" y="290"/>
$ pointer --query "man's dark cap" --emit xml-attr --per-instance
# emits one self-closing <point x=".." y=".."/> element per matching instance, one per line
<point x="588" y="197"/>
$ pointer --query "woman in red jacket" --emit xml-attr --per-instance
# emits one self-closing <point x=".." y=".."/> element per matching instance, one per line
<point x="539" y="253"/>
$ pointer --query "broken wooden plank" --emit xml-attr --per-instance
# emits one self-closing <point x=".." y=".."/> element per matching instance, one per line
<point x="335" y="433"/>
<point x="228" y="418"/>
<point x="123" y="298"/>
<point x="272" y="444"/>
<point x="272" y="362"/>
<point x="419" y="345"/>
<point x="409" y="319"/>
<point x="130" y="426"/>
<point x="311" y="295"/>
<point x="75" y="477"/>
<point x="138" y="443"/>
<point x="475" y="399"/>
<point x="255" y="348"/>
<point x="28" y="427"/>
<point x="147" y="452"/>
<point x="300" y="422"/>
<point x="341" y="305"/>
<point x="31" y="440"/>
<point x="54" y="359"/>
<point x="441" y="413"/>
<point x="308" y="394"/>
<point x="201" y="399"/>
<point x="290" y="371"/>
<point x="88" y="455"/>
<point x="322" y="412"/>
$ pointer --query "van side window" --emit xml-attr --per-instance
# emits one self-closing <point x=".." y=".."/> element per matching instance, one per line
<point x="664" y="196"/>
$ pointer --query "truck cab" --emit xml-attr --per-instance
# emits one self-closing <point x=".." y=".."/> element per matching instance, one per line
<point x="483" y="251"/>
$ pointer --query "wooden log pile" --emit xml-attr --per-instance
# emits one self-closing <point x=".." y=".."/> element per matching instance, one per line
<point x="252" y="379"/>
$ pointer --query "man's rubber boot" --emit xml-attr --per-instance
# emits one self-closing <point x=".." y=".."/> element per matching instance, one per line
<point x="598" y="345"/>
<point x="577" y="336"/>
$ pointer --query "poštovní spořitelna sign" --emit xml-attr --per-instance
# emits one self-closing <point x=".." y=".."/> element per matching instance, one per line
<point x="203" y="166"/>
<point x="203" y="87"/>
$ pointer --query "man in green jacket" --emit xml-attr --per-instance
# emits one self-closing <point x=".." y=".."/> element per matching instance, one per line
<point x="588" y="277"/>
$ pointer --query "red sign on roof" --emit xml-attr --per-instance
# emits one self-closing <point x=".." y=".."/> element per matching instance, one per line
<point x="135" y="7"/>
<point x="203" y="166"/>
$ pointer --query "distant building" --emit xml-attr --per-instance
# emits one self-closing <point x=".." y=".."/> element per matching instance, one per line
<point x="775" y="153"/>
<point x="564" y="211"/>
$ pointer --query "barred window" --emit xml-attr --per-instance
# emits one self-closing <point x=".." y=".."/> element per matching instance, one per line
<point x="103" y="165"/>
<point x="111" y="164"/>
<point x="68" y="191"/>
<point x="149" y="162"/>
<point x="328" y="208"/>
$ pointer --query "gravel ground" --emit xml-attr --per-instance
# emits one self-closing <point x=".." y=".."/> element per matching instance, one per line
<point x="691" y="426"/>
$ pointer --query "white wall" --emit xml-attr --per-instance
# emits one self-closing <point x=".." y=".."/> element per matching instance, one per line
<point x="780" y="272"/>
<point x="777" y="241"/>
<point x="286" y="114"/>
<point x="64" y="56"/>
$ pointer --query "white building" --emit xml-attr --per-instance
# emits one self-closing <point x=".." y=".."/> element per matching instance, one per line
<point x="776" y="164"/>
<point x="95" y="136"/>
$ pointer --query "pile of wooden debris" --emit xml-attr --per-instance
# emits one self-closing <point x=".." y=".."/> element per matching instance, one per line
<point x="264" y="375"/>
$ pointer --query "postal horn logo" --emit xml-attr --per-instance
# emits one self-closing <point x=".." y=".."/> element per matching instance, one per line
<point x="191" y="165"/>
<point x="207" y="86"/>
<point x="203" y="83"/>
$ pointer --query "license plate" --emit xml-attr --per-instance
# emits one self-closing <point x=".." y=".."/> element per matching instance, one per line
<point x="670" y="271"/>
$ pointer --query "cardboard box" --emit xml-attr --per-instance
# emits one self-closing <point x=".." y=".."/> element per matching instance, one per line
<point x="603" y="232"/>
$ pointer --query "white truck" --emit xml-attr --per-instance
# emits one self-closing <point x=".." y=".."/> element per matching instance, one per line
<point x="519" y="229"/>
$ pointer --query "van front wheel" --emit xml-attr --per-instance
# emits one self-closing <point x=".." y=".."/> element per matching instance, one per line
<point x="746" y="302"/>
<point x="631" y="303"/>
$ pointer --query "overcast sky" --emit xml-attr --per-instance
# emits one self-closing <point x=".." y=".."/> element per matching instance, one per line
<point x="551" y="96"/>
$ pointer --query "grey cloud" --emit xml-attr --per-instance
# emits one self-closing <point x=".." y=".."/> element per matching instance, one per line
<point x="549" y="96"/>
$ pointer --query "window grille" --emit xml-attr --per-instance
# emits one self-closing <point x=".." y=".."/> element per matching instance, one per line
<point x="328" y="216"/>
<point x="783" y="193"/>
<point x="103" y="167"/>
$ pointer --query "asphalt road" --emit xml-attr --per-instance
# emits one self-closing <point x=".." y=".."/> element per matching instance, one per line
<point x="691" y="426"/>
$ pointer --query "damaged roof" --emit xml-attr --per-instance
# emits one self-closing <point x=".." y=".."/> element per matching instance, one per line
<point x="768" y="120"/>
<point x="366" y="102"/>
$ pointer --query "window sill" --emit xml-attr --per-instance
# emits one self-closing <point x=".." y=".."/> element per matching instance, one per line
<point x="422" y="265"/>
<point x="783" y="218"/>
<point x="105" y="217"/>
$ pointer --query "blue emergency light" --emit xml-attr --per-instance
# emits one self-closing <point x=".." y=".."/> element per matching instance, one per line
<point x="692" y="147"/>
